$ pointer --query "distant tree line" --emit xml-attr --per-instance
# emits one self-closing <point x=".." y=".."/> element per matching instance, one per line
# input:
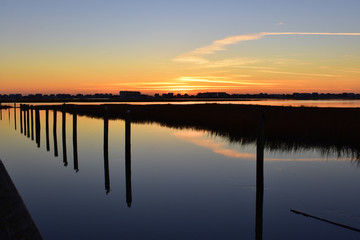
<point x="134" y="95"/>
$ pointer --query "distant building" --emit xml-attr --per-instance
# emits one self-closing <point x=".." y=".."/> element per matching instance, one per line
<point x="212" y="95"/>
<point x="130" y="94"/>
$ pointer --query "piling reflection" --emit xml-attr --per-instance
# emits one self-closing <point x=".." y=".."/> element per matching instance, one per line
<point x="15" y="116"/>
<point x="32" y="123"/>
<point x="24" y="112"/>
<point x="128" y="158"/>
<point x="21" y="119"/>
<point x="106" y="150"/>
<point x="75" y="150"/>
<point x="128" y="178"/>
<point x="37" y="127"/>
<point x="64" y="136"/>
<point x="55" y="133"/>
<point x="28" y="121"/>
<point x="47" y="129"/>
<point x="259" y="179"/>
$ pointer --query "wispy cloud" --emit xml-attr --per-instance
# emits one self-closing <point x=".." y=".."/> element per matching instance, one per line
<point x="302" y="74"/>
<point x="351" y="70"/>
<point x="280" y="23"/>
<point x="196" y="56"/>
<point x="186" y="83"/>
<point x="221" y="80"/>
<point x="233" y="62"/>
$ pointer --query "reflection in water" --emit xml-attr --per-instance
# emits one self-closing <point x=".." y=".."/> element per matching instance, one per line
<point x="64" y="136"/>
<point x="24" y="111"/>
<point x="128" y="158"/>
<point x="259" y="179"/>
<point x="21" y="121"/>
<point x="15" y="115"/>
<point x="37" y="127"/>
<point x="47" y="130"/>
<point x="198" y="138"/>
<point x="106" y="150"/>
<point x="227" y="190"/>
<point x="75" y="150"/>
<point x="32" y="123"/>
<point x="55" y="134"/>
<point x="29" y="116"/>
<point x="288" y="129"/>
<point x="28" y="121"/>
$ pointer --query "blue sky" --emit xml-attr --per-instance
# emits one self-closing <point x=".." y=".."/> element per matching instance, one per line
<point x="159" y="31"/>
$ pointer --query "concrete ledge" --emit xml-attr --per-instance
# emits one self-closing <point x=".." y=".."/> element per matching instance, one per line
<point x="15" y="220"/>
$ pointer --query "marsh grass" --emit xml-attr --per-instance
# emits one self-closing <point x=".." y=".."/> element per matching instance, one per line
<point x="332" y="130"/>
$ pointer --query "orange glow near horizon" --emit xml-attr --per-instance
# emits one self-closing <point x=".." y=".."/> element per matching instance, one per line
<point x="210" y="68"/>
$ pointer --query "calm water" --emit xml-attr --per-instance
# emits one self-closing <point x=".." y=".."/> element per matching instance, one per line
<point x="184" y="184"/>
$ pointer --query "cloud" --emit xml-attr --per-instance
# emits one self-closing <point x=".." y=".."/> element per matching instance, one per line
<point x="234" y="62"/>
<point x="186" y="83"/>
<point x="196" y="56"/>
<point x="218" y="45"/>
<point x="280" y="23"/>
<point x="350" y="70"/>
<point x="302" y="74"/>
<point x="221" y="80"/>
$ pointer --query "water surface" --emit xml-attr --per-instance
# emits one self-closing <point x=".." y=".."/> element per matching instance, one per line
<point x="180" y="184"/>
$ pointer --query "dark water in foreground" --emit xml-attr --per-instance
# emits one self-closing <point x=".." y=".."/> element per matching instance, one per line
<point x="184" y="184"/>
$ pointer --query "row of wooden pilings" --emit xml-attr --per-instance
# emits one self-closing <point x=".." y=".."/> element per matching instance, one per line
<point x="27" y="122"/>
<point x="27" y="112"/>
<point x="26" y="115"/>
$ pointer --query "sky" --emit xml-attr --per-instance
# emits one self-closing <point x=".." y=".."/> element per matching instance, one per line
<point x="187" y="46"/>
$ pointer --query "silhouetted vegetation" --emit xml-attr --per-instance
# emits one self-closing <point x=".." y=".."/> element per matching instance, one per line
<point x="286" y="128"/>
<point x="135" y="96"/>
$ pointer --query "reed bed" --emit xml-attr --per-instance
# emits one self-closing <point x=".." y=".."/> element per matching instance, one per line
<point x="286" y="128"/>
